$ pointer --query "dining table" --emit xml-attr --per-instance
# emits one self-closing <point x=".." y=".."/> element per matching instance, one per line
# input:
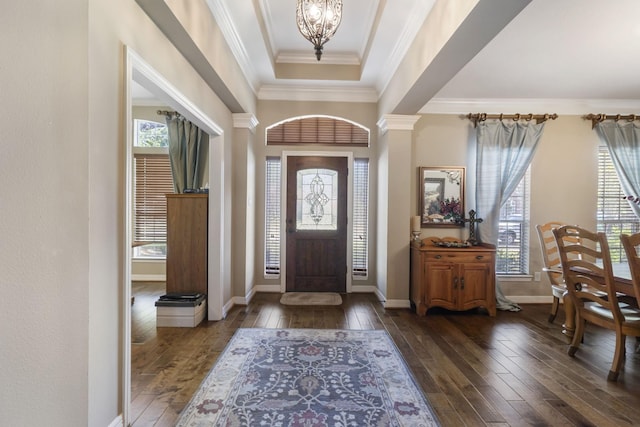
<point x="623" y="284"/>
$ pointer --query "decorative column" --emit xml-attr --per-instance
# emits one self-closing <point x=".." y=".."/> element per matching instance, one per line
<point x="395" y="175"/>
<point x="243" y="205"/>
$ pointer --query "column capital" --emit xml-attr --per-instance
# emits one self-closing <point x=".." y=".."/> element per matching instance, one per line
<point x="245" y="120"/>
<point x="396" y="122"/>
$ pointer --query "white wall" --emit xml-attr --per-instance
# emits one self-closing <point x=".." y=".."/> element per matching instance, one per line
<point x="44" y="211"/>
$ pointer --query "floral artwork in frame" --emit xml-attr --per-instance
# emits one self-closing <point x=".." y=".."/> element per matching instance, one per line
<point x="441" y="196"/>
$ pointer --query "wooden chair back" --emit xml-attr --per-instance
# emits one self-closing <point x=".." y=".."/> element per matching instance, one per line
<point x="631" y="244"/>
<point x="588" y="274"/>
<point x="550" y="254"/>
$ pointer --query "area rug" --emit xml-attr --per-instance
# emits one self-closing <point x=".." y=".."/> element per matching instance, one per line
<point x="311" y="298"/>
<point x="309" y="377"/>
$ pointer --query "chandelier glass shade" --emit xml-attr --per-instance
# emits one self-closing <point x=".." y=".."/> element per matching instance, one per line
<point x="318" y="21"/>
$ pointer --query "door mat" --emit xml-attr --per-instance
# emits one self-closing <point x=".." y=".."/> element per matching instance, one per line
<point x="311" y="298"/>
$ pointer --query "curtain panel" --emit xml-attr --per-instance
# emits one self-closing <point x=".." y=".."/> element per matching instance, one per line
<point x="188" y="151"/>
<point x="503" y="153"/>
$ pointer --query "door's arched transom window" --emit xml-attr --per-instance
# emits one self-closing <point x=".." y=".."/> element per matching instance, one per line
<point x="318" y="130"/>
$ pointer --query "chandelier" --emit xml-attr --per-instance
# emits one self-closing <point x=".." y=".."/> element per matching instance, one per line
<point x="318" y="21"/>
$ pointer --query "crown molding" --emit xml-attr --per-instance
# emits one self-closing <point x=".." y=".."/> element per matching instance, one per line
<point x="396" y="122"/>
<point x="314" y="93"/>
<point x="230" y="33"/>
<point x="309" y="58"/>
<point x="533" y="106"/>
<point x="245" y="120"/>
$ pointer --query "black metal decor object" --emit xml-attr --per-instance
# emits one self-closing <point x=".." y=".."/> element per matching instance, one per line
<point x="472" y="220"/>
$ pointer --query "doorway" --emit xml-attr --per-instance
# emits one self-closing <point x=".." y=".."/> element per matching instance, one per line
<point x="138" y="71"/>
<point x="316" y="224"/>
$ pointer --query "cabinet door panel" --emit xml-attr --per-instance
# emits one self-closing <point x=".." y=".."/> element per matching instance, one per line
<point x="474" y="284"/>
<point x="442" y="290"/>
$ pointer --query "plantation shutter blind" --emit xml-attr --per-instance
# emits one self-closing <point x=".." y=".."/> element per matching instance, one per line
<point x="152" y="181"/>
<point x="318" y="130"/>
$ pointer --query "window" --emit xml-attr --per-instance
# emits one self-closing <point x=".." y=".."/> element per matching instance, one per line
<point x="273" y="217"/>
<point x="152" y="180"/>
<point x="614" y="215"/>
<point x="360" y="218"/>
<point x="512" y="252"/>
<point x="318" y="130"/>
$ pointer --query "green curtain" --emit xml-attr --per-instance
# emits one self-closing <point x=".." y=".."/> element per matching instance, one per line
<point x="188" y="151"/>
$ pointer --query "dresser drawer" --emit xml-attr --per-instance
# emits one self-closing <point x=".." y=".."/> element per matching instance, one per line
<point x="458" y="257"/>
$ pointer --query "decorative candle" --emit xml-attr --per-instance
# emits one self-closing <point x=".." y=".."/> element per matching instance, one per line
<point x="415" y="223"/>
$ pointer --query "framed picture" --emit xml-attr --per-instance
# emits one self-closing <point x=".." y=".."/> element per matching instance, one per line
<point x="441" y="196"/>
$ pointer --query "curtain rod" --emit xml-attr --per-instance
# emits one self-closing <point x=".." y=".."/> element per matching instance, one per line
<point x="596" y="118"/>
<point x="168" y="114"/>
<point x="539" y="118"/>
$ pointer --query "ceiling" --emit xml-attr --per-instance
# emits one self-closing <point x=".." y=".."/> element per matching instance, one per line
<point x="567" y="57"/>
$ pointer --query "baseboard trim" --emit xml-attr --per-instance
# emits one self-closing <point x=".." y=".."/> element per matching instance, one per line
<point x="267" y="288"/>
<point x="227" y="307"/>
<point x="396" y="303"/>
<point x="530" y="299"/>
<point x="238" y="301"/>
<point x="387" y="303"/>
<point x="118" y="422"/>
<point x="149" y="277"/>
<point x="365" y="289"/>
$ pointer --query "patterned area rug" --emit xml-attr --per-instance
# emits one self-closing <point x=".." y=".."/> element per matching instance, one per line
<point x="311" y="298"/>
<point x="309" y="378"/>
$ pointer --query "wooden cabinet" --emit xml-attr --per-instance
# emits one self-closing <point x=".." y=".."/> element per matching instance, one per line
<point x="187" y="231"/>
<point x="452" y="278"/>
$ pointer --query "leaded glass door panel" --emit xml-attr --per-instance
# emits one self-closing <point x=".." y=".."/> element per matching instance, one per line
<point x="316" y="224"/>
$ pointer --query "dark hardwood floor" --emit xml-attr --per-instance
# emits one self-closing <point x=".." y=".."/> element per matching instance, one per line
<point x="511" y="370"/>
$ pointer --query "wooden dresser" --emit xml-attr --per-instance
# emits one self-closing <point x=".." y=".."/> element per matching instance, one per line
<point x="187" y="231"/>
<point x="452" y="278"/>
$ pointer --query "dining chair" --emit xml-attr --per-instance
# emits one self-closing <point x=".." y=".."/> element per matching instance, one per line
<point x="589" y="279"/>
<point x="631" y="243"/>
<point x="552" y="265"/>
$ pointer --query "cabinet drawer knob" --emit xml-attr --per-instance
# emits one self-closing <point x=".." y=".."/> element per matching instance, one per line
<point x="438" y="256"/>
<point x="479" y="256"/>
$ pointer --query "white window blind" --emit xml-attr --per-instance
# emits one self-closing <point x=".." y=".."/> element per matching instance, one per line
<point x="360" y="217"/>
<point x="152" y="181"/>
<point x="614" y="215"/>
<point x="272" y="216"/>
<point x="512" y="252"/>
